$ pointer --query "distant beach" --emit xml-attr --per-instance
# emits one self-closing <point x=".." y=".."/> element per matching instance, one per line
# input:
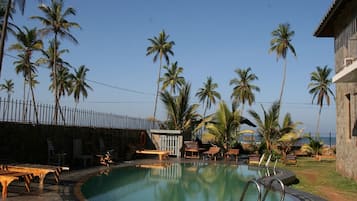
<point x="325" y="140"/>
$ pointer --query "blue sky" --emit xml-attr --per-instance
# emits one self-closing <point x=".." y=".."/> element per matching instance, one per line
<point x="213" y="38"/>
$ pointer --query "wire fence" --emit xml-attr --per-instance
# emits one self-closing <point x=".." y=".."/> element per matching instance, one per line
<point x="26" y="112"/>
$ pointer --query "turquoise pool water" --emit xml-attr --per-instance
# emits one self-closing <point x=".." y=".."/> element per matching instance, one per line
<point x="175" y="182"/>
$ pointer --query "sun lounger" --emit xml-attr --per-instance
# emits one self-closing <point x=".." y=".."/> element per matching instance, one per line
<point x="37" y="170"/>
<point x="212" y="152"/>
<point x="232" y="152"/>
<point x="255" y="159"/>
<point x="291" y="160"/>
<point x="326" y="157"/>
<point x="7" y="177"/>
<point x="162" y="154"/>
<point x="191" y="149"/>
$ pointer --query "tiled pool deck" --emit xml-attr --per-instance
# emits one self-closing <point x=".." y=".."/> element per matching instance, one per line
<point x="67" y="189"/>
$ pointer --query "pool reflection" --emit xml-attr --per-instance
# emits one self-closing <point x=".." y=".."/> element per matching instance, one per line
<point x="173" y="181"/>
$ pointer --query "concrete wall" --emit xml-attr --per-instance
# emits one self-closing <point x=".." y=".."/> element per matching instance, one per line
<point x="28" y="143"/>
<point x="346" y="143"/>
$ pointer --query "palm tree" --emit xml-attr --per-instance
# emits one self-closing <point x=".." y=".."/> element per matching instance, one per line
<point x="160" y="47"/>
<point x="280" y="44"/>
<point x="28" y="42"/>
<point x="223" y="124"/>
<point x="181" y="113"/>
<point x="55" y="22"/>
<point x="243" y="89"/>
<point x="288" y="134"/>
<point x="8" y="86"/>
<point x="320" y="87"/>
<point x="172" y="78"/>
<point x="11" y="27"/>
<point x="51" y="53"/>
<point x="207" y="94"/>
<point x="268" y="125"/>
<point x="79" y="84"/>
<point x="7" y="15"/>
<point x="63" y="82"/>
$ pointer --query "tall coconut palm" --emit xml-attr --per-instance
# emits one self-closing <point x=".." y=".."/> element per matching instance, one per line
<point x="268" y="124"/>
<point x="7" y="14"/>
<point x="28" y="42"/>
<point x="64" y="82"/>
<point x="172" y="78"/>
<point x="223" y="124"/>
<point x="8" y="87"/>
<point x="55" y="22"/>
<point x="243" y="89"/>
<point x="181" y="113"/>
<point x="280" y="44"/>
<point x="320" y="88"/>
<point x="11" y="27"/>
<point x="79" y="84"/>
<point x="51" y="53"/>
<point x="208" y="94"/>
<point x="161" y="48"/>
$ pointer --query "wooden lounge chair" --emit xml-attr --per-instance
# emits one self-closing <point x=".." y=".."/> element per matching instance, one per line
<point x="7" y="177"/>
<point x="290" y="159"/>
<point x="162" y="154"/>
<point x="212" y="152"/>
<point x="37" y="170"/>
<point x="255" y="159"/>
<point x="191" y="149"/>
<point x="232" y="153"/>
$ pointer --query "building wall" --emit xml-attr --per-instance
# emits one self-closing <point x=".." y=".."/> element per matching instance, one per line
<point x="346" y="143"/>
<point x="346" y="94"/>
<point x="27" y="143"/>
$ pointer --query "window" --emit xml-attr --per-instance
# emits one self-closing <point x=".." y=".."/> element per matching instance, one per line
<point x="348" y="96"/>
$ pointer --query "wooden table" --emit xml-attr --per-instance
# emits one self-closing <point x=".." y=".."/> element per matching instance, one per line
<point x="38" y="170"/>
<point x="162" y="154"/>
<point x="6" y="177"/>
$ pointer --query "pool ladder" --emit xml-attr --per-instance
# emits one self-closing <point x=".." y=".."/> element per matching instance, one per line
<point x="267" y="189"/>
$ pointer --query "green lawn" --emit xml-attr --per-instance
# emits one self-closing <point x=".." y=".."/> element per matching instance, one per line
<point x="320" y="178"/>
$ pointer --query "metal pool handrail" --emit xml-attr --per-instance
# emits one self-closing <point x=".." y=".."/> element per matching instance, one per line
<point x="269" y="187"/>
<point x="252" y="181"/>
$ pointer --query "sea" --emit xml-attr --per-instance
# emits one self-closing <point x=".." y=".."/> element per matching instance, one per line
<point x="326" y="140"/>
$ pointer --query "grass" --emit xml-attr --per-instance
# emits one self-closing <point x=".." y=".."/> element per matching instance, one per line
<point x="320" y="178"/>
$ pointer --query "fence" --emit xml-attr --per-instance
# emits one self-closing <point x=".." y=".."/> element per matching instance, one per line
<point x="25" y="112"/>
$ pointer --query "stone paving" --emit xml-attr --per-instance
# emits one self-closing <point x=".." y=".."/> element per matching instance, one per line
<point x="69" y="185"/>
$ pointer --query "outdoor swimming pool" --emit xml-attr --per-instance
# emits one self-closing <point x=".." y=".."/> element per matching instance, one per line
<point x="175" y="181"/>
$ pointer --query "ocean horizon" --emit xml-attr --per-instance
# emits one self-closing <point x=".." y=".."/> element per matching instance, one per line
<point x="326" y="140"/>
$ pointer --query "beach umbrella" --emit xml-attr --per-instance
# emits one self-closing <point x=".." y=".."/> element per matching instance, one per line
<point x="246" y="131"/>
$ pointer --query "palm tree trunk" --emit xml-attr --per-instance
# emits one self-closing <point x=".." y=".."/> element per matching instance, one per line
<point x="74" y="115"/>
<point x="157" y="92"/>
<point x="34" y="103"/>
<point x="62" y="115"/>
<point x="283" y="83"/>
<point x="54" y="73"/>
<point x="318" y="124"/>
<point x="3" y="32"/>
<point x="24" y="101"/>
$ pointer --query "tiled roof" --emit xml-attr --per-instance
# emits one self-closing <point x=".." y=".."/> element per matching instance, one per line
<point x="323" y="29"/>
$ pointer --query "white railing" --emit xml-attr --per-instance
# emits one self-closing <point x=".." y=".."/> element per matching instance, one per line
<point x="25" y="112"/>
